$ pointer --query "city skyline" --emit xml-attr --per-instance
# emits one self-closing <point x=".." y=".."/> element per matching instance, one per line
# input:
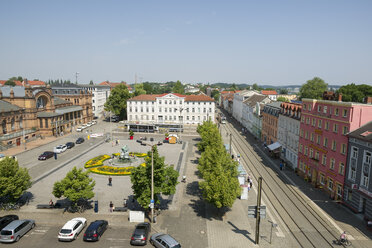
<point x="243" y="42"/>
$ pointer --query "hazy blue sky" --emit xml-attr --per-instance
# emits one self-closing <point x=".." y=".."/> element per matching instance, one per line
<point x="266" y="42"/>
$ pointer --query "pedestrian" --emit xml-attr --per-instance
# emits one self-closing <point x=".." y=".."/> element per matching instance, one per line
<point x="111" y="206"/>
<point x="51" y="203"/>
<point x="249" y="187"/>
<point x="110" y="180"/>
<point x="281" y="165"/>
<point x="250" y="183"/>
<point x="117" y="142"/>
<point x="55" y="156"/>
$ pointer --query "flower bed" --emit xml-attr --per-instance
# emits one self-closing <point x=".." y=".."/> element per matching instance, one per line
<point x="138" y="154"/>
<point x="112" y="170"/>
<point x="95" y="165"/>
<point x="97" y="161"/>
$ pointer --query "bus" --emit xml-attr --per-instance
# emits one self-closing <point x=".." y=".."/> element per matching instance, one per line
<point x="150" y="128"/>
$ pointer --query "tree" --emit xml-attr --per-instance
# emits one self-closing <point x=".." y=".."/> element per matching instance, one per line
<point x="75" y="186"/>
<point x="138" y="90"/>
<point x="10" y="82"/>
<point x="220" y="186"/>
<point x="355" y="93"/>
<point x="313" y="88"/>
<point x="117" y="101"/>
<point x="282" y="99"/>
<point x="14" y="181"/>
<point x="283" y="91"/>
<point x="165" y="179"/>
<point x="91" y="82"/>
<point x="215" y="95"/>
<point x="256" y="87"/>
<point x="178" y="88"/>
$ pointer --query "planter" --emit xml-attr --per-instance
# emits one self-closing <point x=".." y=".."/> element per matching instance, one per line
<point x="131" y="137"/>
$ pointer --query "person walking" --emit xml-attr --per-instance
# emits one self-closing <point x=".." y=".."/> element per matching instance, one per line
<point x="110" y="180"/>
<point x="111" y="206"/>
<point x="281" y="165"/>
<point x="250" y="183"/>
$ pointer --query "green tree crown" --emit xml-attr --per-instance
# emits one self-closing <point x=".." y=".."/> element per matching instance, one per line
<point x="313" y="89"/>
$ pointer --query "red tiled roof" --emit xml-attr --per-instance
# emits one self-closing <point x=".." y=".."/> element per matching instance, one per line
<point x="229" y="91"/>
<point x="269" y="92"/>
<point x="188" y="98"/>
<point x="112" y="84"/>
<point x="19" y="83"/>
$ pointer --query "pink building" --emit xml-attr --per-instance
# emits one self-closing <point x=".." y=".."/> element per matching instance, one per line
<point x="322" y="153"/>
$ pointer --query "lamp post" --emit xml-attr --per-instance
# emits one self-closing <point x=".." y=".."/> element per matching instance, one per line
<point x="24" y="132"/>
<point x="152" y="181"/>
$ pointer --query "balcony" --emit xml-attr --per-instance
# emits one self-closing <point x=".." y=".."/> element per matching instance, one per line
<point x="17" y="134"/>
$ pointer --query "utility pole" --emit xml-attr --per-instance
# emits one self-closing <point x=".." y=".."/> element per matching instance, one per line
<point x="258" y="210"/>
<point x="230" y="144"/>
<point x="76" y="76"/>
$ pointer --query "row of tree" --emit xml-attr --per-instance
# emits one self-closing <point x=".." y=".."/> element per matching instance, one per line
<point x="220" y="185"/>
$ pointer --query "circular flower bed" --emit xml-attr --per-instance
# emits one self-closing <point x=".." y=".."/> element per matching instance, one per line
<point x="95" y="165"/>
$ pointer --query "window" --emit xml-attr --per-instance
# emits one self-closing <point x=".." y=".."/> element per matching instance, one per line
<point x="306" y="150"/>
<point x="321" y="179"/>
<point x="308" y="120"/>
<point x="311" y="153"/>
<point x="352" y="174"/>
<point x="325" y="142"/>
<point x="306" y="135"/>
<point x="302" y="133"/>
<point x="159" y="110"/>
<point x="339" y="191"/>
<point x="367" y="158"/>
<point x="326" y="125"/>
<point x="325" y="110"/>
<point x="165" y="102"/>
<point x="303" y="119"/>
<point x="317" y="155"/>
<point x="312" y="137"/>
<point x="343" y="149"/>
<point x="345" y="130"/>
<point x="318" y="139"/>
<point x="344" y="112"/>
<point x="341" y="169"/>
<point x="301" y="147"/>
<point x="335" y="128"/>
<point x="330" y="184"/>
<point x="324" y="159"/>
<point x="364" y="181"/>
<point x="354" y="152"/>
<point x="334" y="145"/>
<point x="336" y="111"/>
<point x="319" y="108"/>
<point x="159" y="101"/>
<point x="313" y="122"/>
<point x="319" y="123"/>
<point x="332" y="164"/>
<point x="305" y="106"/>
<point x="309" y="107"/>
<point x="12" y="125"/>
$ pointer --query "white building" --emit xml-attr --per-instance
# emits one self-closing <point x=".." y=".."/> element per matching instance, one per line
<point x="239" y="97"/>
<point x="191" y="89"/>
<point x="289" y="131"/>
<point x="170" y="108"/>
<point x="251" y="119"/>
<point x="272" y="94"/>
<point x="100" y="94"/>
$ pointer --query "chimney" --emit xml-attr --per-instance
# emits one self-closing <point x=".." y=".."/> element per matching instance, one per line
<point x="340" y="97"/>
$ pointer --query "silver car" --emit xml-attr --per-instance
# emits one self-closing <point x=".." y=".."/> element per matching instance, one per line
<point x="15" y="230"/>
<point x="161" y="240"/>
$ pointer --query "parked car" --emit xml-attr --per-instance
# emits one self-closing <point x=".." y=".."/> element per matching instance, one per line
<point x="70" y="145"/>
<point x="60" y="149"/>
<point x="88" y="124"/>
<point x="5" y="220"/>
<point x="141" y="234"/>
<point x="84" y="126"/>
<point x="46" y="155"/>
<point x="79" y="140"/>
<point x="79" y="129"/>
<point x="71" y="229"/>
<point x="95" y="230"/>
<point x="94" y="122"/>
<point x="15" y="230"/>
<point x="161" y="240"/>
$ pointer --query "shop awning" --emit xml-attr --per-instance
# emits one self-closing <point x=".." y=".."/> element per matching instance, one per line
<point x="274" y="146"/>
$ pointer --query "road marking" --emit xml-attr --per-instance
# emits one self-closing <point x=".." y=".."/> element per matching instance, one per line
<point x="305" y="196"/>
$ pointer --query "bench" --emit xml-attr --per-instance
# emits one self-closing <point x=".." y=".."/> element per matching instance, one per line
<point x="120" y="209"/>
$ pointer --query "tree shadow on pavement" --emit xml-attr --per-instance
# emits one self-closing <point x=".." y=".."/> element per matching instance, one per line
<point x="245" y="233"/>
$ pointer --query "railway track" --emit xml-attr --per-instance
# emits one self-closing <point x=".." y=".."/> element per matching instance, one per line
<point x="305" y="224"/>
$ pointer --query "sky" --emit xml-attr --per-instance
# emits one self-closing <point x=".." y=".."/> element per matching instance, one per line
<point x="276" y="42"/>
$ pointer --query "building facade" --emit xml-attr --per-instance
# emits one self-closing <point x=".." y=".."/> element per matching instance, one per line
<point x="323" y="141"/>
<point x="289" y="132"/>
<point x="100" y="94"/>
<point x="358" y="183"/>
<point x="251" y="118"/>
<point x="78" y="97"/>
<point x="238" y="99"/>
<point x="272" y="94"/>
<point x="270" y="116"/>
<point x="30" y="112"/>
<point x="170" y="108"/>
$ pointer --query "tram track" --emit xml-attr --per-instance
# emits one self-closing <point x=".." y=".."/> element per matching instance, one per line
<point x="307" y="227"/>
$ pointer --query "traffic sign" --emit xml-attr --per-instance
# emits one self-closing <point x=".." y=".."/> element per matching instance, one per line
<point x="252" y="211"/>
<point x="151" y="205"/>
<point x="152" y="201"/>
